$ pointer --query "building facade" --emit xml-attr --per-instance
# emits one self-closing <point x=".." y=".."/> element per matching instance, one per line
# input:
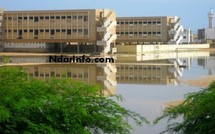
<point x="56" y="27"/>
<point x="149" y="30"/>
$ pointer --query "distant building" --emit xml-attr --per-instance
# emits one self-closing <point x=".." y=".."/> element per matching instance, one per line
<point x="58" y="28"/>
<point x="149" y="30"/>
<point x="208" y="33"/>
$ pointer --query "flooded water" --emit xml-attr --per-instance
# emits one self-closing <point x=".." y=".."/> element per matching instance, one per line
<point x="147" y="81"/>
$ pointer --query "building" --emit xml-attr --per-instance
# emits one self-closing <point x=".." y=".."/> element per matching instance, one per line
<point x="149" y="30"/>
<point x="1" y="30"/>
<point x="208" y="33"/>
<point x="59" y="29"/>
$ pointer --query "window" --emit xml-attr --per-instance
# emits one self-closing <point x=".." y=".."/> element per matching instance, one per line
<point x="126" y="32"/>
<point x="25" y="18"/>
<point x="52" y="17"/>
<point x="144" y="32"/>
<point x="41" y="30"/>
<point x="63" y="30"/>
<point x="149" y="22"/>
<point x="79" y="30"/>
<point x="69" y="31"/>
<point x="117" y="32"/>
<point x="131" y="23"/>
<point x="20" y="32"/>
<point x="31" y="30"/>
<point x="80" y="17"/>
<point x="31" y="18"/>
<point x="57" y="30"/>
<point x="118" y="23"/>
<point x="47" y="30"/>
<point x="140" y="33"/>
<point x="41" y="17"/>
<point x="14" y="31"/>
<point x="149" y="32"/>
<point x="36" y="19"/>
<point x="69" y="17"/>
<point x="85" y="31"/>
<point x="57" y="17"/>
<point x="140" y="22"/>
<point x="158" y="22"/>
<point x="144" y="22"/>
<point x="74" y="17"/>
<point x="63" y="17"/>
<point x="74" y="30"/>
<point x="35" y="32"/>
<point x="131" y="33"/>
<point x="25" y="31"/>
<point x="19" y="18"/>
<point x="9" y="18"/>
<point x="122" y="22"/>
<point x="154" y="32"/>
<point x="52" y="31"/>
<point x="85" y="18"/>
<point x="122" y="33"/>
<point x="135" y="22"/>
<point x="47" y="17"/>
<point x="158" y="32"/>
<point x="126" y="22"/>
<point x="135" y="32"/>
<point x="154" y="22"/>
<point x="184" y="37"/>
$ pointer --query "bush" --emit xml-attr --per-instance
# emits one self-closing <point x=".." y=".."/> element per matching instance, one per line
<point x="198" y="112"/>
<point x="56" y="106"/>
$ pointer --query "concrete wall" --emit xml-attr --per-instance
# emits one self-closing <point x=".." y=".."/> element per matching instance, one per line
<point x="138" y="49"/>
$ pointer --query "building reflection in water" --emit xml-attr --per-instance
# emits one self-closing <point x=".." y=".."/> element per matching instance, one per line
<point x="126" y="70"/>
<point x="208" y="63"/>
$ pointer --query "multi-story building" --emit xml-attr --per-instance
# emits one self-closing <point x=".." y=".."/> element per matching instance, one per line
<point x="149" y="30"/>
<point x="1" y="30"/>
<point x="60" y="28"/>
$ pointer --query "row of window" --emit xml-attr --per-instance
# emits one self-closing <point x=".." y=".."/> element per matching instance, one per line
<point x="138" y="32"/>
<point x="140" y="68"/>
<point x="36" y="18"/>
<point x="140" y="22"/>
<point x="52" y="31"/>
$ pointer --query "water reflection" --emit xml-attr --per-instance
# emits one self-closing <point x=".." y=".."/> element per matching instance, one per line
<point x="137" y="77"/>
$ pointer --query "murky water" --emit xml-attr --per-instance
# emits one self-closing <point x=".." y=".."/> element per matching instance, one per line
<point x="146" y="81"/>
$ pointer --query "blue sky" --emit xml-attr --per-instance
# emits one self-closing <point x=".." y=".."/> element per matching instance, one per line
<point x="192" y="12"/>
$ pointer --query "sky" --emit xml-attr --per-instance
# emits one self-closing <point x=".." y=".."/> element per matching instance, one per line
<point x="193" y="13"/>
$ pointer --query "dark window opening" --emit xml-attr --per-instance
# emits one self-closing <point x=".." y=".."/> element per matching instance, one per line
<point x="63" y="17"/>
<point x="31" y="18"/>
<point x="57" y="17"/>
<point x="14" y="31"/>
<point x="79" y="30"/>
<point x="63" y="30"/>
<point x="20" y="32"/>
<point x="74" y="30"/>
<point x="47" y="30"/>
<point x="85" y="31"/>
<point x="35" y="32"/>
<point x="19" y="18"/>
<point x="144" y="22"/>
<point x="154" y="22"/>
<point x="126" y="22"/>
<point x="47" y="17"/>
<point x="80" y="17"/>
<point x="135" y="22"/>
<point x="52" y="17"/>
<point x="52" y="31"/>
<point x="122" y="22"/>
<point x="140" y="32"/>
<point x="57" y="30"/>
<point x="74" y="17"/>
<point x="41" y="17"/>
<point x="25" y="31"/>
<point x="31" y="30"/>
<point x="69" y="17"/>
<point x="36" y="19"/>
<point x="140" y="22"/>
<point x="69" y="31"/>
<point x="85" y="18"/>
<point x="130" y="22"/>
<point x="122" y="33"/>
<point x="126" y="32"/>
<point x="41" y="30"/>
<point x="25" y="18"/>
<point x="149" y="22"/>
<point x="149" y="32"/>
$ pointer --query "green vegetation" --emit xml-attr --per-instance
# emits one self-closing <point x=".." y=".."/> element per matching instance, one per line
<point x="59" y="106"/>
<point x="198" y="112"/>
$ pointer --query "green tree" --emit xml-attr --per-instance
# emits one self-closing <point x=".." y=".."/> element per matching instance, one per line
<point x="197" y="111"/>
<point x="56" y="106"/>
